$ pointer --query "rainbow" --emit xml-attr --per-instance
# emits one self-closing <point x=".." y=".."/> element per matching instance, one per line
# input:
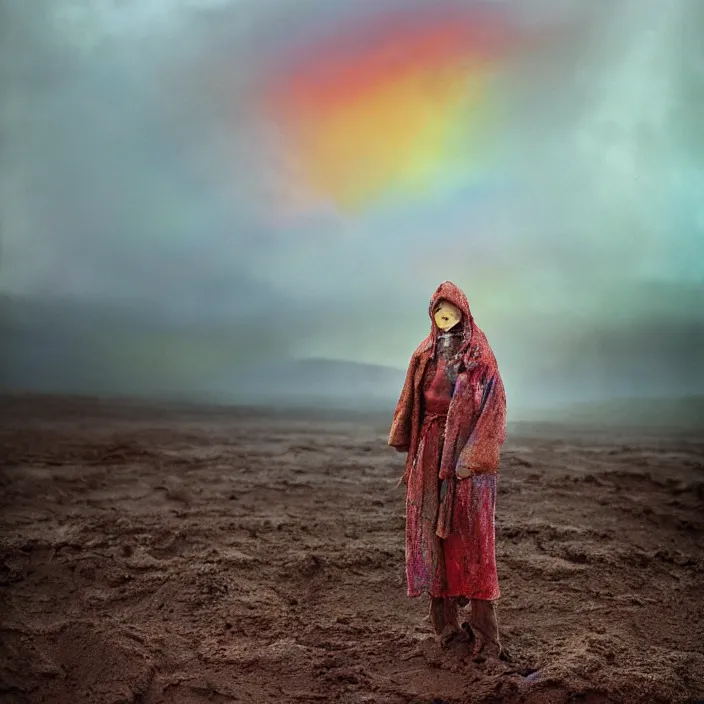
<point x="398" y="110"/>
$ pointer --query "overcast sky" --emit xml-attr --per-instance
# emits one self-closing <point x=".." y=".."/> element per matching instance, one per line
<point x="142" y="221"/>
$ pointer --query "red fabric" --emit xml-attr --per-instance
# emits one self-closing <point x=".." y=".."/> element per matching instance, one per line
<point x="453" y="421"/>
<point x="470" y="551"/>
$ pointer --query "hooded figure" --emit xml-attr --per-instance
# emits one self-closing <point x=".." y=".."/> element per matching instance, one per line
<point x="451" y="419"/>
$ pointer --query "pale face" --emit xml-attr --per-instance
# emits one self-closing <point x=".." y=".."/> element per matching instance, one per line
<point x="446" y="315"/>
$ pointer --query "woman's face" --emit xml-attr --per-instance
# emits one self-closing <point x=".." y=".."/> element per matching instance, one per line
<point x="446" y="315"/>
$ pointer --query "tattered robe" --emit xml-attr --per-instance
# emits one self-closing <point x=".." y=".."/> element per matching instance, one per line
<point x="453" y="427"/>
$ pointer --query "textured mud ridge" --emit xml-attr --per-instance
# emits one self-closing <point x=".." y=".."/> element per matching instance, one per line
<point x="186" y="556"/>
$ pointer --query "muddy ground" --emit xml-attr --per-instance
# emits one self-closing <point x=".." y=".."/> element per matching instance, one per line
<point x="191" y="555"/>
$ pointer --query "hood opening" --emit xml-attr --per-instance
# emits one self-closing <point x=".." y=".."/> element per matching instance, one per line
<point x="451" y="292"/>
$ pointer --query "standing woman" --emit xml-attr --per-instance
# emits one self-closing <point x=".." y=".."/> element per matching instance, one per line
<point x="451" y="419"/>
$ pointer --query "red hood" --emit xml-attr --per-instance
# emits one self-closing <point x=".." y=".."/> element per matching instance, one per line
<point x="450" y="292"/>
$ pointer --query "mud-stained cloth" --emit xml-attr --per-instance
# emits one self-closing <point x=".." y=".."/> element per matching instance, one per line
<point x="451" y="418"/>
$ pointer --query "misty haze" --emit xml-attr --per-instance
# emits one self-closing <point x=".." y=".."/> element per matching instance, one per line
<point x="149" y="247"/>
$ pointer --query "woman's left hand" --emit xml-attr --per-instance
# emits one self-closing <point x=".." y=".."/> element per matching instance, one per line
<point x="464" y="472"/>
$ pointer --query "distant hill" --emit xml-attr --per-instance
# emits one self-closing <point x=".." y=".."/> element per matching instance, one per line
<point x="313" y="382"/>
<point x="63" y="347"/>
<point x="344" y="384"/>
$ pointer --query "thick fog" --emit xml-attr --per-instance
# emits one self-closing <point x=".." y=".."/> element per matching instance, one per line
<point x="151" y="242"/>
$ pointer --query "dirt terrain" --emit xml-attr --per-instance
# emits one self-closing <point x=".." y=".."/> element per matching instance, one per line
<point x="188" y="555"/>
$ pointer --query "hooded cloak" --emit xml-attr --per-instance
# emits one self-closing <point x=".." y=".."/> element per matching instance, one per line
<point x="452" y="461"/>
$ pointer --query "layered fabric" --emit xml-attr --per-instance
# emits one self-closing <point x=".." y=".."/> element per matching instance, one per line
<point x="451" y="418"/>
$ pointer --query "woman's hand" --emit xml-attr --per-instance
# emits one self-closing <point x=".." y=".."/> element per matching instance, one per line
<point x="464" y="472"/>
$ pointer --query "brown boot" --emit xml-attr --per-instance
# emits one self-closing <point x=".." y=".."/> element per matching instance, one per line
<point x="452" y="616"/>
<point x="486" y="627"/>
<point x="444" y="617"/>
<point x="437" y="614"/>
